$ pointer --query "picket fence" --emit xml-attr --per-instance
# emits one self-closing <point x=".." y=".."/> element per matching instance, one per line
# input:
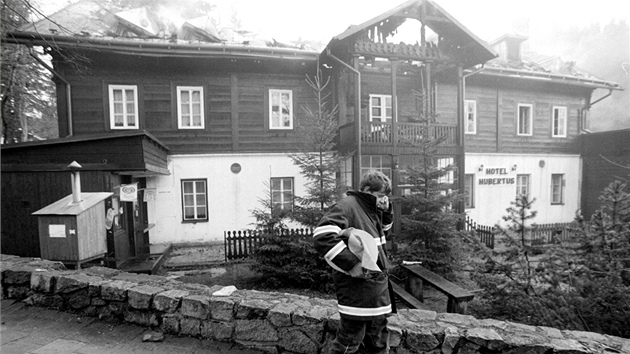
<point x="537" y="235"/>
<point x="241" y="244"/>
<point x="485" y="233"/>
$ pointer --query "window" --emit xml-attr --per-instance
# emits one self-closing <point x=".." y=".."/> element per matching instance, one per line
<point x="381" y="163"/>
<point x="446" y="165"/>
<point x="559" y="122"/>
<point x="380" y="107"/>
<point x="190" y="109"/>
<point x="123" y="106"/>
<point x="280" y="109"/>
<point x="522" y="185"/>
<point x="282" y="193"/>
<point x="524" y="119"/>
<point x="469" y="189"/>
<point x="557" y="188"/>
<point x="345" y="172"/>
<point x="470" y="111"/>
<point x="195" y="200"/>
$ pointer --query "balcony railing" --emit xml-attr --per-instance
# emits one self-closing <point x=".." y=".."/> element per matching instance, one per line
<point x="373" y="133"/>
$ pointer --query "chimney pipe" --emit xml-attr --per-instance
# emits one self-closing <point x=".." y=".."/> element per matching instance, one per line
<point x="75" y="181"/>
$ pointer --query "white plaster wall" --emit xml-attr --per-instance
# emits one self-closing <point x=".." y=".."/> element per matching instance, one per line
<point x="231" y="197"/>
<point x="491" y="201"/>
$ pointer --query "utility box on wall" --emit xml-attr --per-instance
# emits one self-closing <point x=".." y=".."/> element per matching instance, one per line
<point x="74" y="232"/>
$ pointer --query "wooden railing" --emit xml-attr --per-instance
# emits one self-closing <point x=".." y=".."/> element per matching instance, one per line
<point x="242" y="244"/>
<point x="378" y="133"/>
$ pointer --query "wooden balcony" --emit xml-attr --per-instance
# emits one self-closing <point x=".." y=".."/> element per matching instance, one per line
<point x="377" y="138"/>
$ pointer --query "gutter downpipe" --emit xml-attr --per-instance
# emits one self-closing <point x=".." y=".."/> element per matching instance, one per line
<point x="461" y="123"/>
<point x="357" y="115"/>
<point x="68" y="88"/>
<point x="587" y="107"/>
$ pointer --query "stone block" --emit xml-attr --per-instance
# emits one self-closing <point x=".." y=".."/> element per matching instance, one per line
<point x="168" y="301"/>
<point x="255" y="330"/>
<point x="141" y="318"/>
<point x="79" y="300"/>
<point x="222" y="309"/>
<point x="17" y="276"/>
<point x="18" y="292"/>
<point x="260" y="347"/>
<point x="67" y="283"/>
<point x="485" y="337"/>
<point x="253" y="308"/>
<point x="196" y="306"/>
<point x="94" y="289"/>
<point x="98" y="302"/>
<point x="312" y="314"/>
<point x="223" y="331"/>
<point x="170" y="323"/>
<point x="294" y="340"/>
<point x="116" y="290"/>
<point x="190" y="326"/>
<point x="43" y="281"/>
<point x="140" y="297"/>
<point x="421" y="339"/>
<point x="45" y="300"/>
<point x="280" y="315"/>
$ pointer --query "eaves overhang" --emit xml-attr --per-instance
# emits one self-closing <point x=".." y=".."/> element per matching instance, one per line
<point x="159" y="48"/>
<point x="592" y="83"/>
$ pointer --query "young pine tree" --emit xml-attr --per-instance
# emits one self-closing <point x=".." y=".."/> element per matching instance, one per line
<point x="317" y="159"/>
<point x="429" y="222"/>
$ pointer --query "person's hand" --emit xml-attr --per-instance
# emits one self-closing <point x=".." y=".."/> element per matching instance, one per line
<point x="382" y="203"/>
<point x="356" y="271"/>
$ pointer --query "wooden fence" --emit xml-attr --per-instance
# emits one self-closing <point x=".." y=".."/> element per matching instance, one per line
<point x="542" y="234"/>
<point x="241" y="244"/>
<point x="485" y="233"/>
<point x="538" y="234"/>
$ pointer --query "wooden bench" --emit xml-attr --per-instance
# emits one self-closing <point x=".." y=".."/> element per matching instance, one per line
<point x="407" y="298"/>
<point x="417" y="275"/>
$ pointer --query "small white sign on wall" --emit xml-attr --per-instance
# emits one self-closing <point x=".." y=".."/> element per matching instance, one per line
<point x="57" y="231"/>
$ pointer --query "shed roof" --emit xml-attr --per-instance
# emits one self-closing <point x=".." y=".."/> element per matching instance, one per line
<point x="66" y="206"/>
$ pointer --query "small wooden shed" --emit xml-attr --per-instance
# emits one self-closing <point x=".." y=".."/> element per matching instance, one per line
<point x="74" y="232"/>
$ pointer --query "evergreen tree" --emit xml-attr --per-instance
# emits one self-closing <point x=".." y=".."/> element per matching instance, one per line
<point x="429" y="222"/>
<point x="580" y="284"/>
<point x="317" y="159"/>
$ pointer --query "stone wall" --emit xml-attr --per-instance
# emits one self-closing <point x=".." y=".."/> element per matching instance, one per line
<point x="271" y="322"/>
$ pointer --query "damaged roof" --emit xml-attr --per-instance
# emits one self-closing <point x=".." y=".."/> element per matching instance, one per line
<point x="453" y="34"/>
<point x="155" y="28"/>
<point x="533" y="66"/>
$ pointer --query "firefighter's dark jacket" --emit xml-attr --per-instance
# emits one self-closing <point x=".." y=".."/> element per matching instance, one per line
<point x="364" y="298"/>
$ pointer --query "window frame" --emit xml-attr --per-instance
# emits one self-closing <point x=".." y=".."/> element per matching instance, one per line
<point x="195" y="206"/>
<point x="520" y="186"/>
<point x="553" y="188"/>
<point x="564" y="123"/>
<point x="383" y="118"/>
<point x="282" y="203"/>
<point x="530" y="120"/>
<point x="376" y="164"/>
<point x="112" y="120"/>
<point x="190" y="89"/>
<point x="474" y="114"/>
<point x="469" y="185"/>
<point x="270" y="94"/>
